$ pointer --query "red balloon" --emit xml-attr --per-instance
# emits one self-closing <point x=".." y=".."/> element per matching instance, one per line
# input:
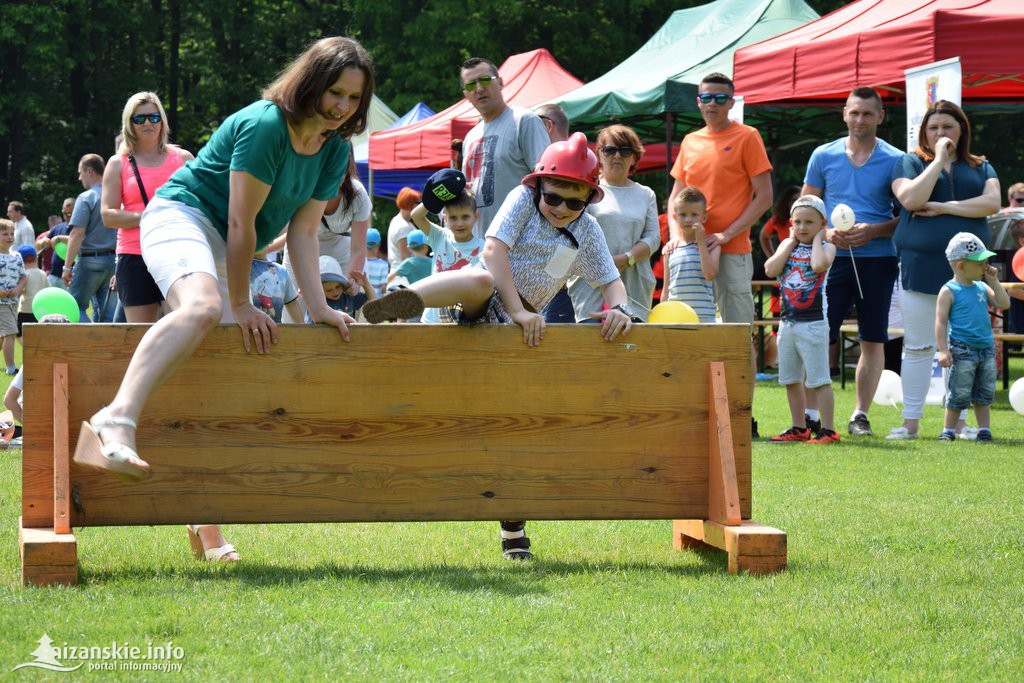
<point x="1018" y="264"/>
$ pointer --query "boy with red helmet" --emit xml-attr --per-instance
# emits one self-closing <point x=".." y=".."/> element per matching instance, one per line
<point x="540" y="238"/>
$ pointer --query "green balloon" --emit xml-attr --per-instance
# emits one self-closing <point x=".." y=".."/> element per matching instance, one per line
<point x="61" y="249"/>
<point x="55" y="300"/>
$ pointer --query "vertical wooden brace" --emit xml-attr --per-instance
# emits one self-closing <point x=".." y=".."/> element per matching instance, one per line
<point x="61" y="455"/>
<point x="723" y="491"/>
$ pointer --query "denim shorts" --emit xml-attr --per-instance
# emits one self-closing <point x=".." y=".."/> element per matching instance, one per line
<point x="972" y="378"/>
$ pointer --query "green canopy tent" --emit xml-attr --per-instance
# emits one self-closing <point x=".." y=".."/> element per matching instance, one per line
<point x="654" y="90"/>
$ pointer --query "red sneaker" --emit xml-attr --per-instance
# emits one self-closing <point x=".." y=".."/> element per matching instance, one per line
<point x="793" y="434"/>
<point x="825" y="436"/>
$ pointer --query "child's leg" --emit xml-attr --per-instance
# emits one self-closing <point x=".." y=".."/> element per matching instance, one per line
<point x="951" y="417"/>
<point x="795" y="394"/>
<point x="9" y="350"/>
<point x="982" y="413"/>
<point x="472" y="287"/>
<point x="825" y="399"/>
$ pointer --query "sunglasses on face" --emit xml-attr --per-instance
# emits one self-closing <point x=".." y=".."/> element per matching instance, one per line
<point x="139" y="119"/>
<point x="717" y="98"/>
<point x="554" y="200"/>
<point x="483" y="82"/>
<point x="1018" y="200"/>
<point x="611" y="150"/>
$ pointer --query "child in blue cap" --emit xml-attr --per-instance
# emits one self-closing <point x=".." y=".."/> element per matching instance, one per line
<point x="35" y="280"/>
<point x="377" y="267"/>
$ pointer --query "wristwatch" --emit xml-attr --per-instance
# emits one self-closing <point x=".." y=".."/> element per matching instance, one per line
<point x="622" y="308"/>
<point x="630" y="260"/>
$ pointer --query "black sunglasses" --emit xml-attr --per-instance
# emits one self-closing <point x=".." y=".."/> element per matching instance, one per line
<point x="718" y="98"/>
<point x="610" y="150"/>
<point x="553" y="200"/>
<point x="139" y="119"/>
<point x="483" y="82"/>
<point x="1017" y="200"/>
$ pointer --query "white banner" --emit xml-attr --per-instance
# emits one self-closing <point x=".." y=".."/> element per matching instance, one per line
<point x="736" y="113"/>
<point x="926" y="85"/>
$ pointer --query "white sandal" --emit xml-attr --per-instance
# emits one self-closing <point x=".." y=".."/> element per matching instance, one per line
<point x="212" y="554"/>
<point x="116" y="458"/>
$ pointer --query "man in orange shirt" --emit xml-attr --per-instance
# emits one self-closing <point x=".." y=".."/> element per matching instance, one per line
<point x="726" y="161"/>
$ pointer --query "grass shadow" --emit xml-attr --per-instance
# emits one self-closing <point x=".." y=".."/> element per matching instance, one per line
<point x="510" y="578"/>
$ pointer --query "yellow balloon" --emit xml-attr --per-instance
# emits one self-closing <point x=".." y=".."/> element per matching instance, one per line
<point x="673" y="312"/>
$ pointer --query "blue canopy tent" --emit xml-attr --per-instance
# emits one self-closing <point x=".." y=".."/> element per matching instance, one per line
<point x="387" y="183"/>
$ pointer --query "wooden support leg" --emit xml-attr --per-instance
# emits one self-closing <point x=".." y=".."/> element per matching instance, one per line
<point x="752" y="547"/>
<point x="47" y="558"/>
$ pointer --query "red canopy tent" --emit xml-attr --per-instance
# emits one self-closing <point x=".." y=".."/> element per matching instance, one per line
<point x="530" y="78"/>
<point x="871" y="42"/>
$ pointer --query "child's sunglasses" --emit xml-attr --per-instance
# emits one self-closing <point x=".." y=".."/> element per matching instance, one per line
<point x="483" y="82"/>
<point x="718" y="98"/>
<point x="553" y="200"/>
<point x="139" y="119"/>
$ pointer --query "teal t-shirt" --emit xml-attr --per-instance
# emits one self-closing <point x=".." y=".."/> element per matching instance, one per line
<point x="415" y="268"/>
<point x="255" y="140"/>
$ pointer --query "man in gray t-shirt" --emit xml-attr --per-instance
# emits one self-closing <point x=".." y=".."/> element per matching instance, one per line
<point x="503" y="147"/>
<point x="88" y="278"/>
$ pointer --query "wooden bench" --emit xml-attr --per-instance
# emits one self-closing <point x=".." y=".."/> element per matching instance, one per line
<point x="406" y="423"/>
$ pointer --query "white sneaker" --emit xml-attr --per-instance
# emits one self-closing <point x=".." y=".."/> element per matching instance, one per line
<point x="901" y="434"/>
<point x="968" y="434"/>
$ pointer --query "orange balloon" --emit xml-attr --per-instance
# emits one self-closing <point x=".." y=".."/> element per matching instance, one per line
<point x="1018" y="264"/>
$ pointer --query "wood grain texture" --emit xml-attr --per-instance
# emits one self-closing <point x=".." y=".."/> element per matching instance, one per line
<point x="47" y="558"/>
<point x="403" y="423"/>
<point x="723" y="496"/>
<point x="61" y="454"/>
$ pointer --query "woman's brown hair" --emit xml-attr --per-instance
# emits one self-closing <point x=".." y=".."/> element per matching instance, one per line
<point x="297" y="90"/>
<point x="963" y="146"/>
<point x="620" y="136"/>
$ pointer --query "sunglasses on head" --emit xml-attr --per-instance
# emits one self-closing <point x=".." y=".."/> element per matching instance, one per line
<point x="139" y="119"/>
<point x="717" y="98"/>
<point x="554" y="200"/>
<point x="610" y="150"/>
<point x="483" y="82"/>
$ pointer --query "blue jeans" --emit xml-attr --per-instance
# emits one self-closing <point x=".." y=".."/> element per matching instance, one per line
<point x="91" y="277"/>
<point x="972" y="378"/>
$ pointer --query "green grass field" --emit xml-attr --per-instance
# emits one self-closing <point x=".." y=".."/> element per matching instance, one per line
<point x="906" y="562"/>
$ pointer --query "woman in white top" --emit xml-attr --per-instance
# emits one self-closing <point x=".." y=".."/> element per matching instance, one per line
<point x="628" y="217"/>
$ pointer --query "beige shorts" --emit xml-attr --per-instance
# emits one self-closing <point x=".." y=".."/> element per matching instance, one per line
<point x="732" y="288"/>
<point x="8" y="319"/>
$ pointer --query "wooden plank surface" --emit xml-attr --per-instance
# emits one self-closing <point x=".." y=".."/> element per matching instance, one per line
<point x="723" y="496"/>
<point x="407" y="422"/>
<point x="61" y="454"/>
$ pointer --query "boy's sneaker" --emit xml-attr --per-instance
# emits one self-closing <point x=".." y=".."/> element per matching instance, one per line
<point x="901" y="434"/>
<point x="825" y="436"/>
<point x="968" y="434"/>
<point x="793" y="434"/>
<point x="401" y="304"/>
<point x="813" y="425"/>
<point x="984" y="436"/>
<point x="859" y="426"/>
<point x="947" y="436"/>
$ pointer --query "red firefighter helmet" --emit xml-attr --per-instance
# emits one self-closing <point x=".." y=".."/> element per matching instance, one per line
<point x="569" y="160"/>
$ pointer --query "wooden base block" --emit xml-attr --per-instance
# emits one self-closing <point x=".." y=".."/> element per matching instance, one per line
<point x="752" y="547"/>
<point x="47" y="558"/>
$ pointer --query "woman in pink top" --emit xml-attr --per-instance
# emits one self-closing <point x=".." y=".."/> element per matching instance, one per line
<point x="144" y="135"/>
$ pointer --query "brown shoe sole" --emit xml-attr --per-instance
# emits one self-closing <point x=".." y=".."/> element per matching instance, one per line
<point x="401" y="304"/>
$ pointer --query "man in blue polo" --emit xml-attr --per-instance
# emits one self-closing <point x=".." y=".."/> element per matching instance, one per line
<point x="856" y="170"/>
<point x="92" y="242"/>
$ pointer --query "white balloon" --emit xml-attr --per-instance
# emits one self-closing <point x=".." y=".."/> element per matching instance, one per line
<point x="890" y="389"/>
<point x="843" y="217"/>
<point x="1017" y="395"/>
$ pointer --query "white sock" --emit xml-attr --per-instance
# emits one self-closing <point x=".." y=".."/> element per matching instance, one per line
<point x="513" y="534"/>
<point x="811" y="414"/>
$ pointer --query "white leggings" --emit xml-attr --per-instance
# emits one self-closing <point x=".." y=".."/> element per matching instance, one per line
<point x="918" y="350"/>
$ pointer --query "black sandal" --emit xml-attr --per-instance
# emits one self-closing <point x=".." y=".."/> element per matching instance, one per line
<point x="516" y="548"/>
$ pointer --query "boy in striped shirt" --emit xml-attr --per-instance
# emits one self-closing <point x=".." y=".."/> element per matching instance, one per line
<point x="693" y="265"/>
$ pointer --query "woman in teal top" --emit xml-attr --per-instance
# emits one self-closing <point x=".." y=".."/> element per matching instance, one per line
<point x="943" y="189"/>
<point x="274" y="163"/>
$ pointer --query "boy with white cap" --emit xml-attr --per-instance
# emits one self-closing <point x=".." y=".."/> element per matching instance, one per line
<point x="801" y="264"/>
<point x="963" y="332"/>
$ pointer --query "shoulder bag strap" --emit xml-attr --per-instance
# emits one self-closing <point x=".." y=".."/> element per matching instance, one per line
<point x="138" y="179"/>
